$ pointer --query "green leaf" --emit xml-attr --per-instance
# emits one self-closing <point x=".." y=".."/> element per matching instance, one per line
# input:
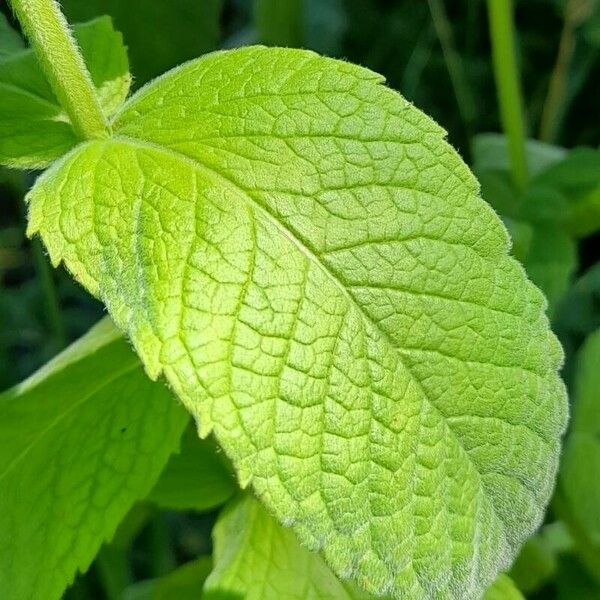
<point x="577" y="179"/>
<point x="490" y="153"/>
<point x="34" y="130"/>
<point x="503" y="589"/>
<point x="80" y="441"/>
<point x="580" y="469"/>
<point x="579" y="312"/>
<point x="574" y="583"/>
<point x="159" y="35"/>
<point x="309" y="264"/>
<point x="551" y="261"/>
<point x="534" y="566"/>
<point x="185" y="583"/>
<point x="10" y="40"/>
<point x="257" y="559"/>
<point x="195" y="479"/>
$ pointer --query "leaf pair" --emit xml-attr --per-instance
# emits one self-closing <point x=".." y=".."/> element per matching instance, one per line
<point x="306" y="260"/>
<point x="34" y="130"/>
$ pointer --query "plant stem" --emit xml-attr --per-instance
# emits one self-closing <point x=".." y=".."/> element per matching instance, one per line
<point x="508" y="86"/>
<point x="575" y="13"/>
<point x="46" y="278"/>
<point x="462" y="92"/>
<point x="50" y="296"/>
<point x="62" y="63"/>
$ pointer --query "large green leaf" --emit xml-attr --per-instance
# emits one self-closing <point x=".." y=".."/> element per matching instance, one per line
<point x="80" y="441"/>
<point x="309" y="264"/>
<point x="159" y="34"/>
<point x="257" y="559"/>
<point x="580" y="469"/>
<point x="34" y="130"/>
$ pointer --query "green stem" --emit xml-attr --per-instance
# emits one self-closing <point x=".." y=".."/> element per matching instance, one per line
<point x="50" y="295"/>
<point x="508" y="86"/>
<point x="454" y="65"/>
<point x="575" y="13"/>
<point x="62" y="63"/>
<point x="46" y="278"/>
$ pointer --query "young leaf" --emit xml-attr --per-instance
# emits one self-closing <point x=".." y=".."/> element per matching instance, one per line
<point x="34" y="131"/>
<point x="81" y="440"/>
<point x="503" y="589"/>
<point x="159" y="35"/>
<point x="194" y="479"/>
<point x="580" y="469"/>
<point x="309" y="263"/>
<point x="257" y="559"/>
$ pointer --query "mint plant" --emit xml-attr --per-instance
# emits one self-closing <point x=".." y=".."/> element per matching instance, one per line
<point x="304" y="259"/>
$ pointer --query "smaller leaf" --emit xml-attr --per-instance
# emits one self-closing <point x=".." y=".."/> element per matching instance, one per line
<point x="534" y="566"/>
<point x="578" y="179"/>
<point x="257" y="559"/>
<point x="579" y="312"/>
<point x="551" y="262"/>
<point x="159" y="35"/>
<point x="80" y="441"/>
<point x="185" y="583"/>
<point x="580" y="468"/>
<point x="195" y="479"/>
<point x="490" y="153"/>
<point x="34" y="130"/>
<point x="10" y="40"/>
<point x="503" y="589"/>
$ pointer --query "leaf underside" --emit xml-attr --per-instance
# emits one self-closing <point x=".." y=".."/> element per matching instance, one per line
<point x="308" y="262"/>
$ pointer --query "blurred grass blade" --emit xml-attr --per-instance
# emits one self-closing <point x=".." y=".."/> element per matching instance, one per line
<point x="508" y="86"/>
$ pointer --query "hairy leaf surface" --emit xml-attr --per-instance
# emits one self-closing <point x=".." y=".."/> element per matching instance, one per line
<point x="82" y="439"/>
<point x="308" y="262"/>
<point x="34" y="130"/>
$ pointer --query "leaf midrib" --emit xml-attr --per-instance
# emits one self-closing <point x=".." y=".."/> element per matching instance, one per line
<point x="312" y="257"/>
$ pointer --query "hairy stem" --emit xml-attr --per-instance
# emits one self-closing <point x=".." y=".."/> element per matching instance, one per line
<point x="49" y="35"/>
<point x="508" y="86"/>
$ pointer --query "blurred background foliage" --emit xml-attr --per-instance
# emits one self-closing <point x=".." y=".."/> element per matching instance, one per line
<point x="437" y="53"/>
